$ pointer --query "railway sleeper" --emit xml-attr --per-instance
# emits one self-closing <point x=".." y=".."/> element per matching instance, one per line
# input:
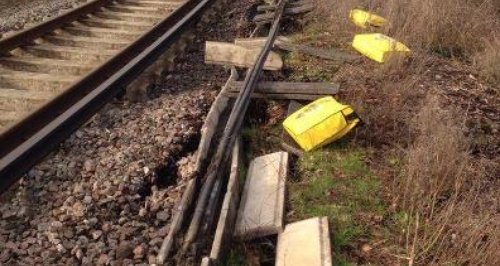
<point x="44" y="65"/>
<point x="137" y="90"/>
<point x="82" y="30"/>
<point x="66" y="53"/>
<point x="141" y="10"/>
<point x="108" y="14"/>
<point x="9" y="117"/>
<point x="35" y="81"/>
<point x="85" y="42"/>
<point x="22" y="100"/>
<point x="152" y="3"/>
<point x="117" y="24"/>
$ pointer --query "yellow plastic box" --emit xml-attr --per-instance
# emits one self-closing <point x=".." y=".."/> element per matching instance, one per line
<point x="320" y="122"/>
<point x="363" y="18"/>
<point x="379" y="47"/>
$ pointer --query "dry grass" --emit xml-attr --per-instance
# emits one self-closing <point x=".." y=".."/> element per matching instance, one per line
<point x="436" y="160"/>
<point x="465" y="29"/>
<point x="488" y="61"/>
<point x="450" y="27"/>
<point x="445" y="203"/>
<point x="450" y="219"/>
<point x="447" y="196"/>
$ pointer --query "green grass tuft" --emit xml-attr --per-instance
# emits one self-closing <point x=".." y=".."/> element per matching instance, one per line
<point x="336" y="182"/>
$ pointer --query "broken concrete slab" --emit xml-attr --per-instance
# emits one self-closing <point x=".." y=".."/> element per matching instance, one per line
<point x="305" y="243"/>
<point x="262" y="203"/>
<point x="221" y="53"/>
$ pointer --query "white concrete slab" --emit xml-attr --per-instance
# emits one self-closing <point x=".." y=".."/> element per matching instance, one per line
<point x="262" y="203"/>
<point x="305" y="243"/>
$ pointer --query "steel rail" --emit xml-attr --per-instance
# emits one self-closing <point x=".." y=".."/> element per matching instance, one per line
<point x="30" y="34"/>
<point x="23" y="145"/>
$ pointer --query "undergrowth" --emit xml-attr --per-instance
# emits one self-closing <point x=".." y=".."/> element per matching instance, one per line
<point x="439" y="199"/>
<point x="336" y="183"/>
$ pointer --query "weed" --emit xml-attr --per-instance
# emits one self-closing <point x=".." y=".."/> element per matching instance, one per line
<point x="235" y="258"/>
<point x="336" y="183"/>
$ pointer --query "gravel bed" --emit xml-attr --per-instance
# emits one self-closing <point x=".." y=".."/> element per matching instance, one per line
<point x="16" y="14"/>
<point x="105" y="197"/>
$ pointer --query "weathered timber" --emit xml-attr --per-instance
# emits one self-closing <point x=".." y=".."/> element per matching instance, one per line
<point x="257" y="42"/>
<point x="330" y="54"/>
<point x="287" y="142"/>
<point x="285" y="44"/>
<point x="263" y="198"/>
<point x="279" y="96"/>
<point x="291" y="149"/>
<point x="319" y="88"/>
<point x="268" y="17"/>
<point x="227" y="218"/>
<point x="220" y="53"/>
<point x="305" y="243"/>
<point x="179" y="217"/>
<point x="213" y="119"/>
<point x="272" y="7"/>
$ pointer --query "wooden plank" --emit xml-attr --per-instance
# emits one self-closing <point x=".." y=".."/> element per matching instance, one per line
<point x="227" y="218"/>
<point x="272" y="7"/>
<point x="330" y="54"/>
<point x="285" y="44"/>
<point x="209" y="127"/>
<point x="268" y="17"/>
<point x="288" y="143"/>
<point x="305" y="243"/>
<point x="319" y="88"/>
<point x="278" y="96"/>
<point x="220" y="53"/>
<point x="258" y="41"/>
<point x="262" y="203"/>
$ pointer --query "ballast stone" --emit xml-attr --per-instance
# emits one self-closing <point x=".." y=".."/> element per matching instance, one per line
<point x="305" y="242"/>
<point x="262" y="203"/>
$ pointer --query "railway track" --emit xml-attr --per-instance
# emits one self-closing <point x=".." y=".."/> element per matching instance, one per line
<point x="56" y="75"/>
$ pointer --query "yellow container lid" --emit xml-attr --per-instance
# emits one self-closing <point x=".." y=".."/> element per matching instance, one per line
<point x="379" y="47"/>
<point x="362" y="18"/>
